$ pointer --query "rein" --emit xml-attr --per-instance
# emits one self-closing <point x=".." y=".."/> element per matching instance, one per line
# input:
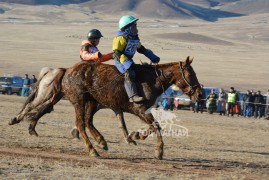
<point x="155" y="68"/>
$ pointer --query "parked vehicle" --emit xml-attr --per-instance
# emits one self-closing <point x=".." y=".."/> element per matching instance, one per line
<point x="11" y="84"/>
<point x="184" y="100"/>
<point x="172" y="93"/>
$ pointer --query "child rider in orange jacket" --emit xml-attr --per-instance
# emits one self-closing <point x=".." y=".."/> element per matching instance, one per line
<point x="89" y="51"/>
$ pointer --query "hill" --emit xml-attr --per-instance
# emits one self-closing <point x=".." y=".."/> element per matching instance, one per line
<point x="208" y="10"/>
<point x="247" y="7"/>
<point x="164" y="9"/>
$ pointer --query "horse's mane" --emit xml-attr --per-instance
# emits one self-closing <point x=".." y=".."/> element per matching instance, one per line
<point x="150" y="68"/>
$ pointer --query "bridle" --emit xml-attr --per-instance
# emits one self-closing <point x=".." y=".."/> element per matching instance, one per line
<point x="191" y="90"/>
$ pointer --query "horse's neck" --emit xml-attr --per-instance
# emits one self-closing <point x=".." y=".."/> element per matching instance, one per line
<point x="169" y="74"/>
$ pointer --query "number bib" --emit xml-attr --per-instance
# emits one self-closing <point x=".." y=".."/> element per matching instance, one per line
<point x="131" y="47"/>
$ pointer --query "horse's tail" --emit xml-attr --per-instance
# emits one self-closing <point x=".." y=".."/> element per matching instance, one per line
<point x="34" y="90"/>
<point x="57" y="85"/>
<point x="42" y="74"/>
<point x="47" y="107"/>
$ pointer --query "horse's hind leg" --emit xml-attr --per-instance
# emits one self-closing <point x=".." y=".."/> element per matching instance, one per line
<point x="34" y="116"/>
<point x="31" y="128"/>
<point x="31" y="114"/>
<point x="41" y="110"/>
<point x="122" y="125"/>
<point x="17" y="119"/>
<point x="27" y="107"/>
<point x="153" y="127"/>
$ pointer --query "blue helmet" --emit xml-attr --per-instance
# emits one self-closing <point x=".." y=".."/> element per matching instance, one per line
<point x="126" y="21"/>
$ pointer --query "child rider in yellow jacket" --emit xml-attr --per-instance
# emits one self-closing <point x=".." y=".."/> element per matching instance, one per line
<point x="125" y="45"/>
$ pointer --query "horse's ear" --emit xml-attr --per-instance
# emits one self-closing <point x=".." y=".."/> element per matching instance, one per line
<point x="189" y="60"/>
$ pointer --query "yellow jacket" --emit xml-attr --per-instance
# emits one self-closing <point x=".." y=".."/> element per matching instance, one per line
<point x="127" y="45"/>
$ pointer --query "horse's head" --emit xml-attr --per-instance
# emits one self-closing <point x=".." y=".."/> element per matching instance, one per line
<point x="188" y="82"/>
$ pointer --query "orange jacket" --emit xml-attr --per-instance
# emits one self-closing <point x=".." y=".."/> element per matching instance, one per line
<point x="88" y="52"/>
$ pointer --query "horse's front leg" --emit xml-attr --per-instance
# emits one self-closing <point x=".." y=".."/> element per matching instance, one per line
<point x="80" y="124"/>
<point x="91" y="108"/>
<point x="122" y="125"/>
<point x="153" y="127"/>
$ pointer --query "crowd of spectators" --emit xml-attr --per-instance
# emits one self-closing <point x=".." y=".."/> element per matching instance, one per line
<point x="231" y="103"/>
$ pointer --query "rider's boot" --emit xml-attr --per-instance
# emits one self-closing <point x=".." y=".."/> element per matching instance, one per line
<point x="132" y="92"/>
<point x="136" y="98"/>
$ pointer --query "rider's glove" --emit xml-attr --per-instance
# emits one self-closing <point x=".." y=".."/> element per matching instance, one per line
<point x="149" y="54"/>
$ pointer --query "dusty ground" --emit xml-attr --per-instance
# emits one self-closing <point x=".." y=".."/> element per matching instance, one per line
<point x="210" y="147"/>
<point x="230" y="52"/>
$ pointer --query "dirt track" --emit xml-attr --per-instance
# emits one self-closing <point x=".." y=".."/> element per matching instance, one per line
<point x="216" y="148"/>
<point x="174" y="168"/>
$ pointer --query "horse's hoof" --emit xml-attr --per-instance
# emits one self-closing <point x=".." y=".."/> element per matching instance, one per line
<point x="134" y="135"/>
<point x="75" y="133"/>
<point x="130" y="141"/>
<point x="159" y="155"/>
<point x="33" y="132"/>
<point x="102" y="145"/>
<point x="93" y="153"/>
<point x="75" y="139"/>
<point x="13" y="121"/>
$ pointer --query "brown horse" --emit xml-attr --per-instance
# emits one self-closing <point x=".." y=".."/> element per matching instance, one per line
<point x="49" y="91"/>
<point x="45" y="94"/>
<point x="89" y="86"/>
